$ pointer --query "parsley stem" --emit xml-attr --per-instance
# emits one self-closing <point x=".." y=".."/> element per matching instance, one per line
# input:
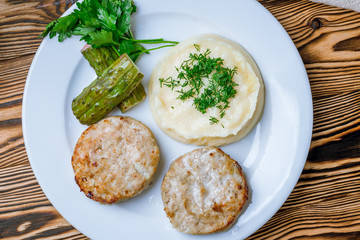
<point x="148" y="50"/>
<point x="152" y="41"/>
<point x="131" y="34"/>
<point x="114" y="48"/>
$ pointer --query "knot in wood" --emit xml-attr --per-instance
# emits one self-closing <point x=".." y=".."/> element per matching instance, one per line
<point x="22" y="227"/>
<point x="316" y="23"/>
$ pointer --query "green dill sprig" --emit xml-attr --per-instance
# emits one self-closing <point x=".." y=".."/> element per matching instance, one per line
<point x="213" y="120"/>
<point x="190" y="84"/>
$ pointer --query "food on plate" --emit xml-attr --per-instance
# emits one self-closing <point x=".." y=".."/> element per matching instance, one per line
<point x="100" y="59"/>
<point x="107" y="91"/>
<point x="207" y="90"/>
<point x="105" y="23"/>
<point x="135" y="97"/>
<point x="204" y="191"/>
<point x="115" y="159"/>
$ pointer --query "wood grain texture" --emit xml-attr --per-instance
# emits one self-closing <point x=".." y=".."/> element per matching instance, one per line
<point x="325" y="203"/>
<point x="25" y="212"/>
<point x="30" y="215"/>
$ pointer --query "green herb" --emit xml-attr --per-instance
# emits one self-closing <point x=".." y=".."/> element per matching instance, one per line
<point x="213" y="120"/>
<point x="190" y="84"/>
<point x="103" y="23"/>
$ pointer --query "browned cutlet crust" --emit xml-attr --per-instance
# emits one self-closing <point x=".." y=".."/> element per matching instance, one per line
<point x="115" y="159"/>
<point x="204" y="191"/>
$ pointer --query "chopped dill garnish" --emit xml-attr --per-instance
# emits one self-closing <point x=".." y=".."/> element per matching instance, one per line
<point x="213" y="120"/>
<point x="192" y="72"/>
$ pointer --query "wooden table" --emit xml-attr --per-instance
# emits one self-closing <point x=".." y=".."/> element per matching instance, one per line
<point x="325" y="203"/>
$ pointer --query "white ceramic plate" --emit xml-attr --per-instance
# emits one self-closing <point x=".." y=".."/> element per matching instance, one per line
<point x="272" y="155"/>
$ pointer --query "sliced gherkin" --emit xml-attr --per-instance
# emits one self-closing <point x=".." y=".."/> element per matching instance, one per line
<point x="107" y="90"/>
<point x="100" y="59"/>
<point x="135" y="97"/>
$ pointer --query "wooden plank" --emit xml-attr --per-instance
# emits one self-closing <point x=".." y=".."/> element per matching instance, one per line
<point x="325" y="201"/>
<point x="328" y="41"/>
<point x="25" y="212"/>
<point x="22" y="22"/>
<point x="13" y="75"/>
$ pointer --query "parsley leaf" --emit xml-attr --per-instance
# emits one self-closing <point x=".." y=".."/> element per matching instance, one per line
<point x="101" y="38"/>
<point x="48" y="29"/>
<point x="82" y="31"/>
<point x="62" y="26"/>
<point x="107" y="21"/>
<point x="126" y="46"/>
<point x="103" y="23"/>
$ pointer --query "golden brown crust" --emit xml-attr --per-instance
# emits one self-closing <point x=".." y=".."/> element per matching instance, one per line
<point x="115" y="159"/>
<point x="204" y="191"/>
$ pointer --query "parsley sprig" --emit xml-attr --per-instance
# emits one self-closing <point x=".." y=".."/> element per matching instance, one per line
<point x="190" y="82"/>
<point x="103" y="23"/>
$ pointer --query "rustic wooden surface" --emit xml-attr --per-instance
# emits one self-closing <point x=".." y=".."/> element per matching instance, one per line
<point x="325" y="203"/>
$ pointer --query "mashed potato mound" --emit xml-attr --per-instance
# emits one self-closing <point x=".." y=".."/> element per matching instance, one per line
<point x="181" y="121"/>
